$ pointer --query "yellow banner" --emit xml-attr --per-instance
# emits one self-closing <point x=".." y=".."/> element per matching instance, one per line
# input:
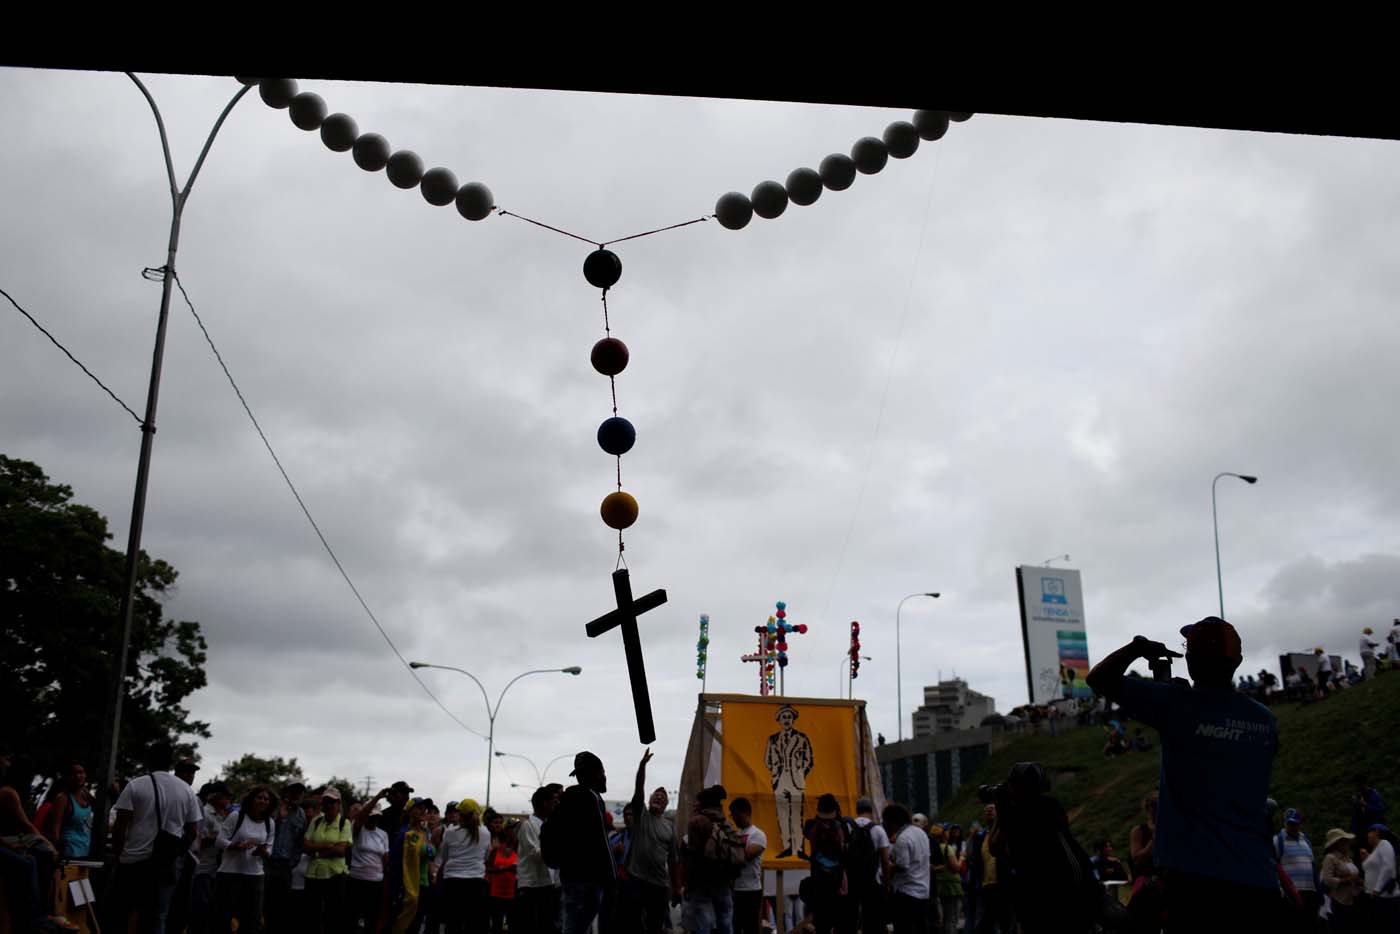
<point x="783" y="756"/>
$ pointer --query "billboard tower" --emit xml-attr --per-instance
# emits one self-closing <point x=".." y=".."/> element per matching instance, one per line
<point x="1052" y="632"/>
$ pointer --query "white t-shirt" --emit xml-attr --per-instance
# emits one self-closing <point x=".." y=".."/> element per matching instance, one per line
<point x="1368" y="646"/>
<point x="751" y="876"/>
<point x="880" y="840"/>
<point x="179" y="805"/>
<point x="1394" y="639"/>
<point x="245" y="862"/>
<point x="909" y="855"/>
<point x="1380" y="870"/>
<point x="459" y="857"/>
<point x="367" y="855"/>
<point x="531" y="871"/>
<point x="1324" y="665"/>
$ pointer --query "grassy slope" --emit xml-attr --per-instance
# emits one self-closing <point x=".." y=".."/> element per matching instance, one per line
<point x="1322" y="747"/>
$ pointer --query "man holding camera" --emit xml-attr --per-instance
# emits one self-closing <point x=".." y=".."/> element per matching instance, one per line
<point x="1212" y="839"/>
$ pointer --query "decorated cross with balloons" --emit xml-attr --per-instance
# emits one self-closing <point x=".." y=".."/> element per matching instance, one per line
<point x="772" y="648"/>
<point x="702" y="650"/>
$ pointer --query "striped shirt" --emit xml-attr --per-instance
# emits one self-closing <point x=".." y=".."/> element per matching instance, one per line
<point x="1295" y="856"/>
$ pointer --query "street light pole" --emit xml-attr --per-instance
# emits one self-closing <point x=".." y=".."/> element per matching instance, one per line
<point x="1215" y="521"/>
<point x="111" y="733"/>
<point x="898" y="669"/>
<point x="492" y="711"/>
<point x="545" y="773"/>
<point x="846" y="674"/>
<point x="515" y="755"/>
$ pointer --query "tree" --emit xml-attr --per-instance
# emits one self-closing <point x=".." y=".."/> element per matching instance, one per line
<point x="250" y="770"/>
<point x="60" y="593"/>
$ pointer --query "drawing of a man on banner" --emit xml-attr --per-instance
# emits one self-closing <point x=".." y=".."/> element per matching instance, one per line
<point x="788" y="759"/>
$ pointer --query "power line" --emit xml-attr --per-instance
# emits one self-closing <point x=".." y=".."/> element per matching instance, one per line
<point x="307" y="512"/>
<point x="885" y="394"/>
<point x="79" y="363"/>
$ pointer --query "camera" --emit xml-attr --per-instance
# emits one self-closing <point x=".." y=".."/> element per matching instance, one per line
<point x="1161" y="666"/>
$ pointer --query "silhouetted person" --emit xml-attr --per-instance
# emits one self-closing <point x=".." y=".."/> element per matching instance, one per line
<point x="1211" y="841"/>
<point x="575" y="841"/>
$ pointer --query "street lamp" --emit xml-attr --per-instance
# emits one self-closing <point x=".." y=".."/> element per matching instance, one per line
<point x="515" y="755"/>
<point x="1215" y="520"/>
<point x="112" y="718"/>
<point x="845" y="676"/>
<point x="898" y="672"/>
<point x="545" y="773"/>
<point x="492" y="711"/>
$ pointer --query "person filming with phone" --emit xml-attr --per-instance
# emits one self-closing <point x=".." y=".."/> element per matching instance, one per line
<point x="1212" y="836"/>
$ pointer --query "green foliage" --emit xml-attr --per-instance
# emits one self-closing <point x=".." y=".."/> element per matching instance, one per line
<point x="1322" y="748"/>
<point x="250" y="770"/>
<point x="346" y="788"/>
<point x="60" y="592"/>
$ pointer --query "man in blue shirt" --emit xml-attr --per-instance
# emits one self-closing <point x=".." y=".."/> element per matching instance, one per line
<point x="1212" y="841"/>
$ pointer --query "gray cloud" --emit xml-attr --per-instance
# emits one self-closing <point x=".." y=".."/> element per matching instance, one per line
<point x="1101" y="318"/>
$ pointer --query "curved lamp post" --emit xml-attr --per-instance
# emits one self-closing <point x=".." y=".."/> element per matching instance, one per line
<point x="846" y="674"/>
<point x="898" y="670"/>
<point x="1215" y="521"/>
<point x="492" y="711"/>
<point x="111" y="734"/>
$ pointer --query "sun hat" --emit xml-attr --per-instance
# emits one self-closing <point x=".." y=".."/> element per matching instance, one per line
<point x="1336" y="835"/>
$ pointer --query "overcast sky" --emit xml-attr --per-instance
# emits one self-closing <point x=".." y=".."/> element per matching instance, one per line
<point x="1033" y="337"/>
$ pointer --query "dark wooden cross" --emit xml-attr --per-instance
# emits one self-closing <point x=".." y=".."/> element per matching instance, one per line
<point x="625" y="616"/>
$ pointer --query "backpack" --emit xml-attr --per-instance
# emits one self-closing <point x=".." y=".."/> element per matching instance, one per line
<point x="829" y="839"/>
<point x="860" y="854"/>
<point x="722" y="852"/>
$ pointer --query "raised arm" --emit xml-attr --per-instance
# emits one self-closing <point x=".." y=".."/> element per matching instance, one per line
<point x="1106" y="678"/>
<point x="639" y="792"/>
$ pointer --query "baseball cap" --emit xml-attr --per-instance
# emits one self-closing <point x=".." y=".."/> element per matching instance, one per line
<point x="1212" y="637"/>
<point x="402" y="786"/>
<point x="1379" y="828"/>
<point x="1292" y="816"/>
<point x="586" y="762"/>
<point x="332" y="792"/>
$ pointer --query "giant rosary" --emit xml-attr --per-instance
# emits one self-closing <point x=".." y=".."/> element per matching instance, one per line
<point x="602" y="268"/>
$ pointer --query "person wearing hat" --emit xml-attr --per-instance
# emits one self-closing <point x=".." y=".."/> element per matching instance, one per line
<point x="1340" y="877"/>
<point x="575" y="841"/>
<point x="397" y="795"/>
<point x="368" y="857"/>
<point x="1382" y="887"/>
<point x="789" y="759"/>
<point x="328" y="837"/>
<point x="1368" y="654"/>
<point x="1211" y="841"/>
<point x="1294" y="852"/>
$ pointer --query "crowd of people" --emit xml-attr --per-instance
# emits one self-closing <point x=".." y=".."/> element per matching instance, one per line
<point x="1212" y="852"/>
